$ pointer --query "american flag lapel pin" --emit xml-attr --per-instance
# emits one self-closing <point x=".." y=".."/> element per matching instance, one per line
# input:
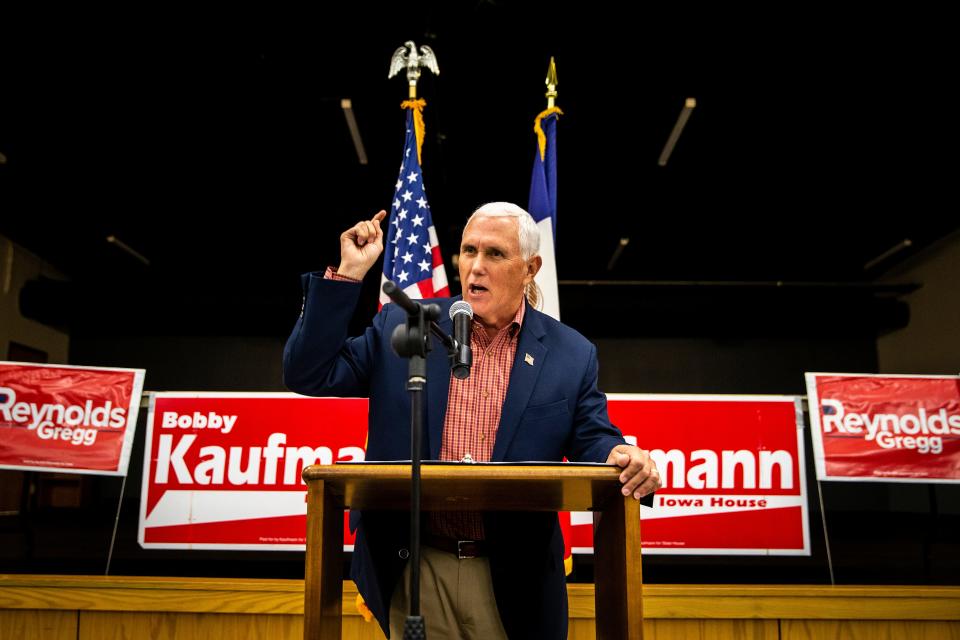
<point x="528" y="359"/>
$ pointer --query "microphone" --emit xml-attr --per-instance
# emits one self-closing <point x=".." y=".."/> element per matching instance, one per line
<point x="402" y="299"/>
<point x="462" y="315"/>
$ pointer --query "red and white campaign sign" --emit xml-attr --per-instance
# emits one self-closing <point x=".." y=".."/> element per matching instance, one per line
<point x="222" y="470"/>
<point x="732" y="469"/>
<point x="68" y="418"/>
<point x="885" y="428"/>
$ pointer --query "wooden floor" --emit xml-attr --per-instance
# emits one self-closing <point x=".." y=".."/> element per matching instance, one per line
<point x="95" y="607"/>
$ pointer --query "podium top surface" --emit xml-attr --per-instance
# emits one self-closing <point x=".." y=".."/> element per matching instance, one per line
<point x="470" y="487"/>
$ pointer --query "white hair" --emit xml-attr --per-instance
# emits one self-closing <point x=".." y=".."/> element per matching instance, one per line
<point x="527" y="228"/>
<point x="529" y="235"/>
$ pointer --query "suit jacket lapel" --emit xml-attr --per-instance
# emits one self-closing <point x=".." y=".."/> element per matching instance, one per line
<point x="531" y="354"/>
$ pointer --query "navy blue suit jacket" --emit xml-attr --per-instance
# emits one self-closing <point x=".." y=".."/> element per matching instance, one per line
<point x="552" y="409"/>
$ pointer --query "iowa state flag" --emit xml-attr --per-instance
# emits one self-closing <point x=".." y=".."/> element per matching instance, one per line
<point x="543" y="206"/>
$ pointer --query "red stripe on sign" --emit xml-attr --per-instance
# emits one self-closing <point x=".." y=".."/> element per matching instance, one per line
<point x="282" y="530"/>
<point x="780" y="528"/>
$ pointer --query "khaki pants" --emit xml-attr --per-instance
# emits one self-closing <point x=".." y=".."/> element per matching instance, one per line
<point x="456" y="599"/>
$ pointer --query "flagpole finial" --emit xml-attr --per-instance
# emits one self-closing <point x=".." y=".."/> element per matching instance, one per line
<point x="407" y="57"/>
<point x="551" y="84"/>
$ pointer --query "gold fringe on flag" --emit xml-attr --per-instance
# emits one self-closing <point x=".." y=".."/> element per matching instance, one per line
<point x="363" y="609"/>
<point x="541" y="136"/>
<point x="418" y="126"/>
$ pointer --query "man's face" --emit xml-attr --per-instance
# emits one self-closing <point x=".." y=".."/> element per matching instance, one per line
<point x="492" y="273"/>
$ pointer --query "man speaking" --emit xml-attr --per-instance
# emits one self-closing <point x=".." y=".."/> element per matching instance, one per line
<point x="531" y="395"/>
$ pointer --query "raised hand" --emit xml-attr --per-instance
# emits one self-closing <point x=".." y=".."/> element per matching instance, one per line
<point x="360" y="246"/>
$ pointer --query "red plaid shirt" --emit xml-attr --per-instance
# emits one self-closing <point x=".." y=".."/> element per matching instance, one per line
<point x="331" y="274"/>
<point x="473" y="415"/>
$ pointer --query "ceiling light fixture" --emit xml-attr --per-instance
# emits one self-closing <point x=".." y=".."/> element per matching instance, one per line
<point x="120" y="244"/>
<point x="347" y="105"/>
<point x="688" y="107"/>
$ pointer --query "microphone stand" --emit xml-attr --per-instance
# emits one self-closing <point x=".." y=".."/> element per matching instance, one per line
<point x="412" y="340"/>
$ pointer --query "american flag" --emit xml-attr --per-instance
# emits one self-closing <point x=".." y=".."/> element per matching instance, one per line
<point x="412" y="253"/>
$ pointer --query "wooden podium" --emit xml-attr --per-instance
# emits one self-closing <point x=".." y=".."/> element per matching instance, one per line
<point x="476" y="487"/>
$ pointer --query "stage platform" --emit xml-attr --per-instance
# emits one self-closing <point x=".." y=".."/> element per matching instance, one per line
<point x="95" y="607"/>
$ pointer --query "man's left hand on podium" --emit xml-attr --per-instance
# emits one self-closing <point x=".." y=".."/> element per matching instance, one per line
<point x="640" y="475"/>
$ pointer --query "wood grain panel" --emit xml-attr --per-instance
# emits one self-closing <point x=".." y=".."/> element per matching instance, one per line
<point x="31" y="624"/>
<point x="868" y="630"/>
<point x="583" y="629"/>
<point x="128" y="625"/>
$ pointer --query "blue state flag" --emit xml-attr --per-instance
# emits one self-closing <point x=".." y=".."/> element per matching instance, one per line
<point x="543" y="207"/>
